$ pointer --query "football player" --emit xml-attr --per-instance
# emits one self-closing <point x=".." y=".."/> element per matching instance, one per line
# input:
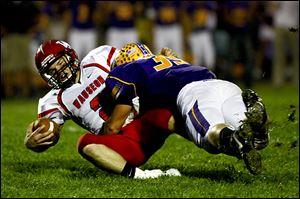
<point x="77" y="94"/>
<point x="218" y="116"/>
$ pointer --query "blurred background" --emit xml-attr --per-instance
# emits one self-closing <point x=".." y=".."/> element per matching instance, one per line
<point x="241" y="41"/>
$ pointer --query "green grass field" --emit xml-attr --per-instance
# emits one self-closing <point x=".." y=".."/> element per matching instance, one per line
<point x="62" y="172"/>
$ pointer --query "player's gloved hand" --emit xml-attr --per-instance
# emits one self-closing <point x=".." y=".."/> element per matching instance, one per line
<point x="167" y="52"/>
<point x="35" y="140"/>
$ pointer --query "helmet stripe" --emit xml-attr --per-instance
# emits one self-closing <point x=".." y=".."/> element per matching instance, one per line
<point x="142" y="48"/>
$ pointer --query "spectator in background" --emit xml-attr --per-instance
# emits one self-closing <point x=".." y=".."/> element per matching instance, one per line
<point x="51" y="24"/>
<point x="143" y="23"/>
<point x="203" y="21"/>
<point x="222" y="42"/>
<point x="18" y="22"/>
<point x="241" y="50"/>
<point x="121" y="23"/>
<point x="286" y="16"/>
<point x="265" y="50"/>
<point x="167" y="27"/>
<point x="55" y="12"/>
<point x="82" y="34"/>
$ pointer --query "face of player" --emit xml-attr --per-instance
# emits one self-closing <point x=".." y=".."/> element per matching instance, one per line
<point x="60" y="70"/>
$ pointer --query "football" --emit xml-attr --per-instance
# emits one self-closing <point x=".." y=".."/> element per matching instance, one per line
<point x="49" y="126"/>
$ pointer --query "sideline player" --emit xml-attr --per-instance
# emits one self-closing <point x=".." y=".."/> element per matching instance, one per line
<point x="218" y="116"/>
<point x="77" y="94"/>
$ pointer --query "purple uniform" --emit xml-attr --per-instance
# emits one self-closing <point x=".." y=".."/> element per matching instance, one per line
<point x="156" y="81"/>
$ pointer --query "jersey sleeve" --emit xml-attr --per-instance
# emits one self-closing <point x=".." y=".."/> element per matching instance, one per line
<point x="103" y="55"/>
<point x="123" y="92"/>
<point x="48" y="107"/>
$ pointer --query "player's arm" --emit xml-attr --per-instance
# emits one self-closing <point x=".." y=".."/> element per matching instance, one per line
<point x="123" y="93"/>
<point x="117" y="119"/>
<point x="37" y="139"/>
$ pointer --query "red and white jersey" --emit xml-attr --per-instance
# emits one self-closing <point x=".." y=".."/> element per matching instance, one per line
<point x="80" y="102"/>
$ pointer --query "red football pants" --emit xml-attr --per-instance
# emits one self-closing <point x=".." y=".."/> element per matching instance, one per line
<point x="138" y="140"/>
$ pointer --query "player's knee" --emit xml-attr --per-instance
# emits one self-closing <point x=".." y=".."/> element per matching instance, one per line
<point x="98" y="154"/>
<point x="83" y="141"/>
<point x="104" y="157"/>
<point x="92" y="149"/>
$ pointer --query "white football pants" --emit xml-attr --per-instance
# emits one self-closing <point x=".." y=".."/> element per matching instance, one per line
<point x="206" y="103"/>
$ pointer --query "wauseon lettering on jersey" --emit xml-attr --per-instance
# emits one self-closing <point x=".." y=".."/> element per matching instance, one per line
<point x="156" y="80"/>
<point x="82" y="101"/>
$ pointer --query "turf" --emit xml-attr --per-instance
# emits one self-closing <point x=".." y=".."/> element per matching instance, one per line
<point x="61" y="172"/>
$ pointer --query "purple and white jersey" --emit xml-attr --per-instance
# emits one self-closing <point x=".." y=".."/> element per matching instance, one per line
<point x="83" y="101"/>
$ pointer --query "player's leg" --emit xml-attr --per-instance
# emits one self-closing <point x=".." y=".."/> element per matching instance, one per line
<point x="150" y="131"/>
<point x="157" y="125"/>
<point x="127" y="148"/>
<point x="121" y="153"/>
<point x="202" y="104"/>
<point x="159" y="118"/>
<point x="102" y="156"/>
<point x="240" y="143"/>
<point x="246" y="113"/>
<point x="107" y="153"/>
<point x="169" y="120"/>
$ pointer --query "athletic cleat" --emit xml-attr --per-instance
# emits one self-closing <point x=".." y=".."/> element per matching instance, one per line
<point x="257" y="116"/>
<point x="252" y="134"/>
<point x="256" y="119"/>
<point x="172" y="172"/>
<point x="261" y="138"/>
<point x="256" y="111"/>
<point x="250" y="97"/>
<point x="243" y="143"/>
<point x="155" y="173"/>
<point x="252" y="161"/>
<point x="239" y="144"/>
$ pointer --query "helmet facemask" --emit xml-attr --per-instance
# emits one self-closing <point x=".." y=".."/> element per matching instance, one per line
<point x="64" y="74"/>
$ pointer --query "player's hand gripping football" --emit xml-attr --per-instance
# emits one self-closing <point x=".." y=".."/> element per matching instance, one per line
<point x="38" y="138"/>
